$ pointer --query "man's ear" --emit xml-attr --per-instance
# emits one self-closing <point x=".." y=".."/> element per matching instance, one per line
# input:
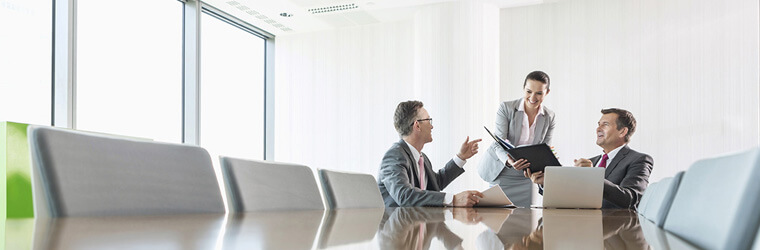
<point x="623" y="132"/>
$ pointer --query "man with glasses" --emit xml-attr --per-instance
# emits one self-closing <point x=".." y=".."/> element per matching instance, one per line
<point x="406" y="176"/>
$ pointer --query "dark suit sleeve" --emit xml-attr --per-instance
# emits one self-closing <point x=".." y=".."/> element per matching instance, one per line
<point x="447" y="174"/>
<point x="628" y="193"/>
<point x="395" y="177"/>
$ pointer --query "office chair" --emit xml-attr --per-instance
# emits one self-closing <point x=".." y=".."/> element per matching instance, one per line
<point x="717" y="202"/>
<point x="662" y="199"/>
<point x="648" y="193"/>
<point x="264" y="185"/>
<point x="350" y="190"/>
<point x="77" y="173"/>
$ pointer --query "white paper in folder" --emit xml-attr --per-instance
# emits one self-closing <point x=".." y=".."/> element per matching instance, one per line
<point x="494" y="197"/>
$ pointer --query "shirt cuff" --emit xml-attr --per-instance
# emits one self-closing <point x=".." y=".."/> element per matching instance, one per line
<point x="460" y="163"/>
<point x="448" y="199"/>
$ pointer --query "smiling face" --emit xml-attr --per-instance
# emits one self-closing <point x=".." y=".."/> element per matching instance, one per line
<point x="608" y="136"/>
<point x="535" y="91"/>
<point x="425" y="127"/>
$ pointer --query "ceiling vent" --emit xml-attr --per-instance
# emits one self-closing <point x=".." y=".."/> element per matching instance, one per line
<point x="259" y="16"/>
<point x="333" y="8"/>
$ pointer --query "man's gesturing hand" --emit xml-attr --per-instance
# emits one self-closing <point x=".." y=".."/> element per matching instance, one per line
<point x="469" y="148"/>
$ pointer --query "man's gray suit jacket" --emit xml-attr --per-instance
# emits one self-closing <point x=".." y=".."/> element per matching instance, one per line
<point x="399" y="182"/>
<point x="625" y="178"/>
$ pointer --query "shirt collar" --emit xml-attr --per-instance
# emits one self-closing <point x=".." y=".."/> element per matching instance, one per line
<point x="521" y="107"/>
<point x="415" y="154"/>
<point x="611" y="155"/>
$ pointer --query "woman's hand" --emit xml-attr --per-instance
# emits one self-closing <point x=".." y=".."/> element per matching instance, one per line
<point x="519" y="164"/>
<point x="537" y="177"/>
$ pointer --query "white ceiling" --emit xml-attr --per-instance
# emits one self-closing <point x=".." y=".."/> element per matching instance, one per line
<point x="265" y="14"/>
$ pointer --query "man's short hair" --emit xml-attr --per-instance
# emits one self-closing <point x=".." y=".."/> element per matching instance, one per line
<point x="405" y="116"/>
<point x="624" y="120"/>
<point x="537" y="76"/>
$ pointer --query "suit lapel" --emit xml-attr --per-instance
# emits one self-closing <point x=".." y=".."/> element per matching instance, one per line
<point x="595" y="160"/>
<point x="516" y="126"/>
<point x="539" y="133"/>
<point x="619" y="157"/>
<point x="415" y="175"/>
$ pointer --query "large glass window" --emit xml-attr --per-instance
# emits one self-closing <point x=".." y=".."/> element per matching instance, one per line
<point x="232" y="90"/>
<point x="129" y="68"/>
<point x="25" y="61"/>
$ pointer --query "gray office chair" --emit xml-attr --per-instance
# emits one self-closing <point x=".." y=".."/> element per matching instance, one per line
<point x="350" y="190"/>
<point x="659" y="204"/>
<point x="717" y="202"/>
<point x="264" y="185"/>
<point x="78" y="173"/>
<point x="648" y="193"/>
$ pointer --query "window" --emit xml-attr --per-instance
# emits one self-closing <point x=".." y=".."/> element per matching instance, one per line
<point x="129" y="68"/>
<point x="232" y="90"/>
<point x="25" y="61"/>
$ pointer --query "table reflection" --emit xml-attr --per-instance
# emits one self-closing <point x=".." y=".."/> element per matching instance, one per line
<point x="383" y="228"/>
<point x="197" y="231"/>
<point x="622" y="230"/>
<point x="514" y="229"/>
<point x="272" y="230"/>
<point x="415" y="228"/>
<point x="349" y="226"/>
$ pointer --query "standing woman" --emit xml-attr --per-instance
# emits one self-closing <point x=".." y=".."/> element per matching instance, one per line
<point x="522" y="122"/>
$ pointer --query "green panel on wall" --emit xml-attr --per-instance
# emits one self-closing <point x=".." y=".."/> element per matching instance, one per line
<point x="15" y="165"/>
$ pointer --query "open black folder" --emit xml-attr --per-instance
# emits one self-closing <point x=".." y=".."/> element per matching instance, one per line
<point x="538" y="155"/>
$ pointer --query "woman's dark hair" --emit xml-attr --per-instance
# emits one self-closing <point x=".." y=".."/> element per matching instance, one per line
<point x="537" y="76"/>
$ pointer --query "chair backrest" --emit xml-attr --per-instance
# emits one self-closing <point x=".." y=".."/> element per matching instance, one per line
<point x="86" y="174"/>
<point x="350" y="190"/>
<point x="662" y="199"/>
<point x="717" y="202"/>
<point x="648" y="193"/>
<point x="265" y="185"/>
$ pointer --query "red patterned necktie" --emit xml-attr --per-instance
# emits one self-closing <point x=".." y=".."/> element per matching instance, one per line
<point x="603" y="164"/>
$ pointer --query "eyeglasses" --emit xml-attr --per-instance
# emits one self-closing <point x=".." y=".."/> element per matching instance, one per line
<point x="426" y="119"/>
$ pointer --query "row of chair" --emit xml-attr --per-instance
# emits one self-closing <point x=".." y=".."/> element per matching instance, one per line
<point x="712" y="205"/>
<point x="77" y="173"/>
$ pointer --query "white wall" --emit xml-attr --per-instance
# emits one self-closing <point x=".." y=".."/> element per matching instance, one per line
<point x="687" y="69"/>
<point x="335" y="94"/>
<point x="336" y="90"/>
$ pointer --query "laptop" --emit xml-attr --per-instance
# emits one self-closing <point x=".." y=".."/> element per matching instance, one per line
<point x="573" y="187"/>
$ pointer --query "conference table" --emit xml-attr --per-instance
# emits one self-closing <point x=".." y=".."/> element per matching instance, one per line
<point x="381" y="228"/>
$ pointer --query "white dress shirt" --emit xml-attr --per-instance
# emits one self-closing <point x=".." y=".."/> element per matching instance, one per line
<point x="528" y="131"/>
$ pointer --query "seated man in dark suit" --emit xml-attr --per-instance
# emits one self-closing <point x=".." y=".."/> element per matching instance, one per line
<point x="406" y="176"/>
<point x="627" y="171"/>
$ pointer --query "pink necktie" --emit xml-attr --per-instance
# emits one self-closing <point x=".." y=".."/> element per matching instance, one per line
<point x="421" y="168"/>
<point x="603" y="164"/>
<point x="421" y="237"/>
